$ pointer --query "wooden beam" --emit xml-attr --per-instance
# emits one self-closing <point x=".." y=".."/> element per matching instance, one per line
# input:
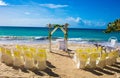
<point x="54" y="30"/>
<point x="63" y="30"/>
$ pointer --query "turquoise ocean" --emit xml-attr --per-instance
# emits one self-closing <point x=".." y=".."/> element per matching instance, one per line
<point x="40" y="34"/>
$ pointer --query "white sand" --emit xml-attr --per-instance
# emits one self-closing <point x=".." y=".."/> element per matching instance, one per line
<point x="60" y="65"/>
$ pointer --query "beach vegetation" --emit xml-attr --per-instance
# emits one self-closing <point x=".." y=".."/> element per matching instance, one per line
<point x="113" y="26"/>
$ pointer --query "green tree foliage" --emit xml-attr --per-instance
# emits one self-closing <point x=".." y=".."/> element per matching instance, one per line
<point x="113" y="26"/>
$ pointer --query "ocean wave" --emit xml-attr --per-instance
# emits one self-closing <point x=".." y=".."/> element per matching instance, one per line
<point x="75" y="39"/>
<point x="37" y="38"/>
<point x="23" y="38"/>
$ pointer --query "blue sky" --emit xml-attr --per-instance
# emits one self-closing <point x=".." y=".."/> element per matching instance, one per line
<point x="78" y="13"/>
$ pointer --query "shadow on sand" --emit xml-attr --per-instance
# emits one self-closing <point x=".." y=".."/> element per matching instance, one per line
<point x="50" y="72"/>
<point x="50" y="65"/>
<point x="68" y="54"/>
<point x="109" y="70"/>
<point x="47" y="71"/>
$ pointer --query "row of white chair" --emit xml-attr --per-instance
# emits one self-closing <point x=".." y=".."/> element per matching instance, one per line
<point x="95" y="59"/>
<point x="21" y="55"/>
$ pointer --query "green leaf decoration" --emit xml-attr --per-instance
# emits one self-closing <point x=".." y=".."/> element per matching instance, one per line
<point x="113" y="26"/>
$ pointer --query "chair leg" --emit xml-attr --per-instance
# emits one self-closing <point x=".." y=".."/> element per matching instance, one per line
<point x="101" y="64"/>
<point x="78" y="64"/>
<point x="93" y="64"/>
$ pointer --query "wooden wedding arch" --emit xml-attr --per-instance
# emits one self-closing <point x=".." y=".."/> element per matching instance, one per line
<point x="53" y="28"/>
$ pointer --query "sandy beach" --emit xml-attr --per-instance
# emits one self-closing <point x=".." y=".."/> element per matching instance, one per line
<point x="60" y="65"/>
<point x="59" y="39"/>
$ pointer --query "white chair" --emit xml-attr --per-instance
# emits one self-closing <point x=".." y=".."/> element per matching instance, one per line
<point x="110" y="58"/>
<point x="116" y="55"/>
<point x="93" y="59"/>
<point x="3" y="54"/>
<point x="76" y="55"/>
<point x="82" y="60"/>
<point x="112" y="42"/>
<point x="18" y="58"/>
<point x="41" y="58"/>
<point x="101" y="62"/>
<point x="9" y="58"/>
<point x="29" y="60"/>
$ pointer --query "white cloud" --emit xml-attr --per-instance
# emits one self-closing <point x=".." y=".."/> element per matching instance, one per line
<point x="100" y="23"/>
<point x="84" y="22"/>
<point x="53" y="6"/>
<point x="73" y="19"/>
<point x="87" y="22"/>
<point x="93" y="23"/>
<point x="2" y="3"/>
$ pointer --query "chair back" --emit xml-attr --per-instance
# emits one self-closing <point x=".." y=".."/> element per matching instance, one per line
<point x="94" y="56"/>
<point x="83" y="56"/>
<point x="112" y="41"/>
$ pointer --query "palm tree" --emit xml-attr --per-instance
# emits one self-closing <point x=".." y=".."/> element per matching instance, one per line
<point x="113" y="26"/>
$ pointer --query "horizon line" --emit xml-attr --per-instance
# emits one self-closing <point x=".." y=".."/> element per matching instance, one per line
<point x="46" y="27"/>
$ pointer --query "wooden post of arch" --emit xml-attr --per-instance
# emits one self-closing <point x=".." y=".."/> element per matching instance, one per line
<point x="66" y="36"/>
<point x="50" y="36"/>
